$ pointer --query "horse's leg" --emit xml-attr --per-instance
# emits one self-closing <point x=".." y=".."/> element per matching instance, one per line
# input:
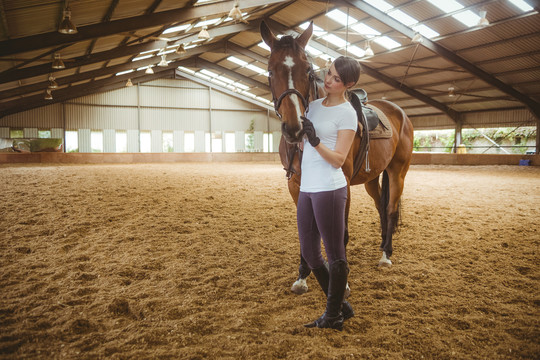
<point x="300" y="285"/>
<point x="396" y="179"/>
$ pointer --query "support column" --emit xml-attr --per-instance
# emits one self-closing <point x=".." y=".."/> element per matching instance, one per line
<point x="537" y="151"/>
<point x="457" y="135"/>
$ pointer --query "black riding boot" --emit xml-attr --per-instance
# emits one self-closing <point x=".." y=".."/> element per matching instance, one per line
<point x="322" y="276"/>
<point x="336" y="282"/>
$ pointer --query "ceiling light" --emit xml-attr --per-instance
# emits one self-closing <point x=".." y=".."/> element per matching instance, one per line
<point x="235" y="13"/>
<point x="66" y="25"/>
<point x="52" y="83"/>
<point x="48" y="95"/>
<point x="328" y="63"/>
<point x="451" y="92"/>
<point x="149" y="70"/>
<point x="163" y="62"/>
<point x="204" y="33"/>
<point x="417" y="38"/>
<point x="58" y="63"/>
<point x="181" y="50"/>
<point x="483" y="20"/>
<point x="129" y="83"/>
<point x="369" y="50"/>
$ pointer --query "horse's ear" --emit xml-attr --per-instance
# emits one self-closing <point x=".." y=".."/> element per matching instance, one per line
<point x="267" y="35"/>
<point x="306" y="35"/>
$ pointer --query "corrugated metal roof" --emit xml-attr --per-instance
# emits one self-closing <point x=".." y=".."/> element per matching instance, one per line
<point x="508" y="50"/>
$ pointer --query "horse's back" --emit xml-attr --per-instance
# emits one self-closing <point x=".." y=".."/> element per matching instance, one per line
<point x="384" y="151"/>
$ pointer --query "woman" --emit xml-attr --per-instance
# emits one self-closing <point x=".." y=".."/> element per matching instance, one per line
<point x="329" y="133"/>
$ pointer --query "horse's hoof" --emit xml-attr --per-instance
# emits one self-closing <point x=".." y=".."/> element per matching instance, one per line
<point x="299" y="287"/>
<point x="385" y="261"/>
<point x="347" y="291"/>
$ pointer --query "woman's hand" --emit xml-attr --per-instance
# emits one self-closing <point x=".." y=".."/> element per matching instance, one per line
<point x="309" y="131"/>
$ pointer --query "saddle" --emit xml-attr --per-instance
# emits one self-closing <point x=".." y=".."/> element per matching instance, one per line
<point x="377" y="123"/>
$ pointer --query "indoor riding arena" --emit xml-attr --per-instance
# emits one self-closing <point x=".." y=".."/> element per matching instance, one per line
<point x="145" y="210"/>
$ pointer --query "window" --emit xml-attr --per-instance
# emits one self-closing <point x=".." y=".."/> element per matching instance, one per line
<point x="146" y="141"/>
<point x="168" y="141"/>
<point x="217" y="142"/>
<point x="44" y="134"/>
<point x="249" y="142"/>
<point x="121" y="142"/>
<point x="230" y="145"/>
<point x="16" y="133"/>
<point x="72" y="141"/>
<point x="189" y="142"/>
<point x="268" y="142"/>
<point x="96" y="141"/>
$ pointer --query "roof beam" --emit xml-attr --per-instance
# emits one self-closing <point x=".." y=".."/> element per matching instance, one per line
<point x="224" y="90"/>
<point x="533" y="106"/>
<point x="68" y="93"/>
<point x="66" y="80"/>
<point x="50" y="39"/>
<point x="122" y="51"/>
<point x="454" y="115"/>
<point x="208" y="65"/>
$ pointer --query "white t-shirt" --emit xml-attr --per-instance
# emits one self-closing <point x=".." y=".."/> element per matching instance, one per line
<point x="317" y="174"/>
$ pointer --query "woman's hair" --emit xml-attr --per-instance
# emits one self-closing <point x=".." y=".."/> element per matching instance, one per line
<point x="348" y="69"/>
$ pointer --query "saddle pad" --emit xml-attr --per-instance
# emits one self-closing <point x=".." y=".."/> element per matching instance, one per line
<point x="383" y="130"/>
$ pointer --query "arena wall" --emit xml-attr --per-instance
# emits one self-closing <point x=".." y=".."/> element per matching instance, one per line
<point x="101" y="158"/>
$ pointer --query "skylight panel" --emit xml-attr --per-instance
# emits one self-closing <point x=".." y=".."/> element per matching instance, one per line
<point x="220" y="83"/>
<point x="247" y="93"/>
<point x="341" y="17"/>
<point x="380" y="4"/>
<point x="143" y="57"/>
<point x="403" y="18"/>
<point x="255" y="68"/>
<point x="365" y="30"/>
<point x="203" y="76"/>
<point x="335" y="40"/>
<point x="387" y="42"/>
<point x="226" y="79"/>
<point x="263" y="100"/>
<point x="209" y="73"/>
<point x="236" y="60"/>
<point x="426" y="31"/>
<point x="207" y="22"/>
<point x="263" y="45"/>
<point x="166" y="52"/>
<point x="467" y="17"/>
<point x="124" y="72"/>
<point x="313" y="51"/>
<point x="447" y="6"/>
<point x="521" y="5"/>
<point x="241" y="86"/>
<point x="176" y="28"/>
<point x="317" y="31"/>
<point x="355" y="50"/>
<point x="185" y="69"/>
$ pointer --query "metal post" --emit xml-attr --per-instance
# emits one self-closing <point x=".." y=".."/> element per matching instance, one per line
<point x="457" y="135"/>
<point x="210" y="114"/>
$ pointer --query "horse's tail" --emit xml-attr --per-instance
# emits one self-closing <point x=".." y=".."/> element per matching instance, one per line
<point x="383" y="205"/>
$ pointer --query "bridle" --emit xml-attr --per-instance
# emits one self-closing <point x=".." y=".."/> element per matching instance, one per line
<point x="305" y="99"/>
<point x="312" y="78"/>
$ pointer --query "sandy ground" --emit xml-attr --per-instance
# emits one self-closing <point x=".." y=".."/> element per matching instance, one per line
<point x="194" y="261"/>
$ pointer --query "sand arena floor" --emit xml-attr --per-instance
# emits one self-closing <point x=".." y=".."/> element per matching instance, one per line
<point x="195" y="261"/>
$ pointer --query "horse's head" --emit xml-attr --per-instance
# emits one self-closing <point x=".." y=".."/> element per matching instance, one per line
<point x="289" y="71"/>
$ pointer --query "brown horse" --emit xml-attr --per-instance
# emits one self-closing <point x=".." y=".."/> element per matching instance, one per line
<point x="292" y="78"/>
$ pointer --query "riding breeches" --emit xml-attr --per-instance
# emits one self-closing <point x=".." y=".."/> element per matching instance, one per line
<point x="322" y="214"/>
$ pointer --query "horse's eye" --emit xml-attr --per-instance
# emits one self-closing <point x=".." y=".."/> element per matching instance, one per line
<point x="308" y="70"/>
<point x="270" y="73"/>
